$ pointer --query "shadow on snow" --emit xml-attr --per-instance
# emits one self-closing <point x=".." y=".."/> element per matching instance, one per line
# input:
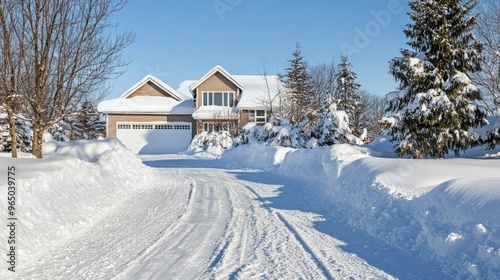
<point x="294" y="195"/>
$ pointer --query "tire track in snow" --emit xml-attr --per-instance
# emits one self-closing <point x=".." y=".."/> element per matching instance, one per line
<point x="297" y="236"/>
<point x="145" y="254"/>
<point x="236" y="239"/>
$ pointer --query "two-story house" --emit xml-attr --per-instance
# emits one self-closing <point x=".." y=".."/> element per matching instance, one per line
<point x="152" y="117"/>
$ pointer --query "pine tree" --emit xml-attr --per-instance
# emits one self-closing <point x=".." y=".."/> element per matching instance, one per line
<point x="298" y="82"/>
<point x="437" y="104"/>
<point x="347" y="92"/>
<point x="88" y="124"/>
<point x="24" y="135"/>
<point x="332" y="128"/>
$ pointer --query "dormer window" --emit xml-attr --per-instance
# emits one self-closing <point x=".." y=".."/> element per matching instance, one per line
<point x="218" y="98"/>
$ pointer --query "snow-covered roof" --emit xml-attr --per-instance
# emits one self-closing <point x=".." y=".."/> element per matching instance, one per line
<point x="215" y="112"/>
<point x="147" y="104"/>
<point x="160" y="84"/>
<point x="257" y="92"/>
<point x="184" y="87"/>
<point x="214" y="70"/>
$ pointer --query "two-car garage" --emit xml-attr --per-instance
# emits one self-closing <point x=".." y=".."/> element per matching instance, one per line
<point x="155" y="137"/>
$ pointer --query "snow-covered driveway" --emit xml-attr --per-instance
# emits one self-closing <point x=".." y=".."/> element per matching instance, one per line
<point x="202" y="223"/>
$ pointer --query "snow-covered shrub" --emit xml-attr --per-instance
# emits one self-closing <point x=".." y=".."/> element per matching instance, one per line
<point x="212" y="142"/>
<point x="61" y="131"/>
<point x="332" y="128"/>
<point x="277" y="132"/>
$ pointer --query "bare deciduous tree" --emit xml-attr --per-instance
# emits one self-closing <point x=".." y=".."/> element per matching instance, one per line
<point x="227" y="120"/>
<point x="11" y="75"/>
<point x="488" y="32"/>
<point x="68" y="50"/>
<point x="323" y="81"/>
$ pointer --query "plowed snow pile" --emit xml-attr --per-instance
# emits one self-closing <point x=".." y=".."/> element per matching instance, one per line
<point x="445" y="210"/>
<point x="62" y="195"/>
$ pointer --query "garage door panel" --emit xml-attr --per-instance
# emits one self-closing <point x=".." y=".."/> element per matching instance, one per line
<point x="149" y="138"/>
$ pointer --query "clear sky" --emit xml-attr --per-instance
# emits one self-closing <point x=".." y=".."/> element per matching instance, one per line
<point x="182" y="40"/>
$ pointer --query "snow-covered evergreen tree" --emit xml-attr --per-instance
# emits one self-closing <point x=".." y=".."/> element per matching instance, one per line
<point x="332" y="128"/>
<point x="24" y="135"/>
<point x="61" y="131"/>
<point x="437" y="104"/>
<point x="346" y="87"/>
<point x="87" y="124"/>
<point x="298" y="82"/>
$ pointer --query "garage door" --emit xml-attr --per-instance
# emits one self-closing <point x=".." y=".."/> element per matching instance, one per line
<point x="155" y="138"/>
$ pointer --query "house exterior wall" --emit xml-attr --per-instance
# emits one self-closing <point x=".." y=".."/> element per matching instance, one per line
<point x="216" y="82"/>
<point x="114" y="118"/>
<point x="150" y="89"/>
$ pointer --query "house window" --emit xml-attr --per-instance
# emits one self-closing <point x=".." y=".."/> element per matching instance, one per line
<point x="257" y="116"/>
<point x="208" y="126"/>
<point x="218" y="98"/>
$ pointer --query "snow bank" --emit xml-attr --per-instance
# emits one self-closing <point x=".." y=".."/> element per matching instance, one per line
<point x="61" y="196"/>
<point x="443" y="210"/>
<point x="254" y="156"/>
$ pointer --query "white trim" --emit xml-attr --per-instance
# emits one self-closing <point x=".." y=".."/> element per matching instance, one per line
<point x="150" y="78"/>
<point x="213" y="98"/>
<point x="210" y="73"/>
<point x="254" y="111"/>
<point x="107" y="128"/>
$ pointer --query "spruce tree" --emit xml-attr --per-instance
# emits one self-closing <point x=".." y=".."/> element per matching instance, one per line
<point x="347" y="91"/>
<point x="298" y="83"/>
<point x="437" y="104"/>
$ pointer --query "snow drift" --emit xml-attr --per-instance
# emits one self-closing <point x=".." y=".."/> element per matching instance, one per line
<point x="64" y="194"/>
<point x="443" y="210"/>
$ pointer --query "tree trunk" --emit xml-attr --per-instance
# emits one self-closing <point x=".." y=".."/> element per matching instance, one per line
<point x="37" y="142"/>
<point x="12" y="131"/>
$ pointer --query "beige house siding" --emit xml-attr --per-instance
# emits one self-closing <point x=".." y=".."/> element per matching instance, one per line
<point x="150" y="89"/>
<point x="113" y="119"/>
<point x="216" y="82"/>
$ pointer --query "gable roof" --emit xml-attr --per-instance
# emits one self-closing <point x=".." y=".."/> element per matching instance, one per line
<point x="150" y="78"/>
<point x="210" y="73"/>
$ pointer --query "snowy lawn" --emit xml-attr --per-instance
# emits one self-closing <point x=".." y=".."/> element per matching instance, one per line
<point x="92" y="210"/>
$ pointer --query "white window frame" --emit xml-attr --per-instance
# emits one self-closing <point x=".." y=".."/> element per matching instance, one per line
<point x="253" y="117"/>
<point x="208" y="126"/>
<point x="227" y="98"/>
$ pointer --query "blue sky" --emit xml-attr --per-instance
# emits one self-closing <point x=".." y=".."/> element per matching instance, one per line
<point x="180" y="40"/>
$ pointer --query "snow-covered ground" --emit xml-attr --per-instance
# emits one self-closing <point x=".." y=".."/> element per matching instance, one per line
<point x="93" y="210"/>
